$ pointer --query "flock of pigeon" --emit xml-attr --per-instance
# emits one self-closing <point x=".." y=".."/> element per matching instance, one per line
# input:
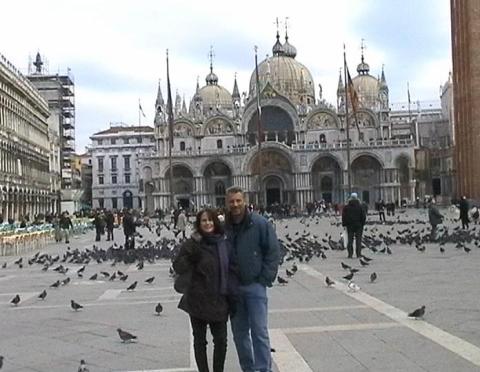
<point x="296" y="247"/>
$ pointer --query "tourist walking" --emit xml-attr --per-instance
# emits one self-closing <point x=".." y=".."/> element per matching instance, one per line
<point x="109" y="221"/>
<point x="464" y="207"/>
<point x="434" y="217"/>
<point x="205" y="260"/>
<point x="256" y="253"/>
<point x="353" y="219"/>
<point x="66" y="224"/>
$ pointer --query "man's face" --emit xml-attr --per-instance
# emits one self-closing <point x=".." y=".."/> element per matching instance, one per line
<point x="236" y="203"/>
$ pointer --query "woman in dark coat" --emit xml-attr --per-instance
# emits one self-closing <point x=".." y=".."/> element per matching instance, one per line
<point x="464" y="212"/>
<point x="208" y="297"/>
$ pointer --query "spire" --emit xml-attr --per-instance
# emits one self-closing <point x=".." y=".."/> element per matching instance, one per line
<point x="184" y="106"/>
<point x="38" y="63"/>
<point x="159" y="102"/>
<point x="290" y="50"/>
<point x="198" y="85"/>
<point x="211" y="78"/>
<point x="236" y="92"/>
<point x="341" y="87"/>
<point x="363" y="68"/>
<point x="383" y="81"/>
<point x="277" y="49"/>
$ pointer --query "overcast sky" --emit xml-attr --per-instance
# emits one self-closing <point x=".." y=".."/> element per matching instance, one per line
<point x="116" y="48"/>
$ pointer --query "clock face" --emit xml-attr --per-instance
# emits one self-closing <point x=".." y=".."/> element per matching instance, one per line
<point x="322" y="120"/>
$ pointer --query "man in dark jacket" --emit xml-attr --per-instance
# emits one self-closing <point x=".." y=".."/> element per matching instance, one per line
<point x="463" y="206"/>
<point x="353" y="218"/>
<point x="129" y="230"/>
<point x="256" y="253"/>
<point x="109" y="220"/>
<point x="66" y="225"/>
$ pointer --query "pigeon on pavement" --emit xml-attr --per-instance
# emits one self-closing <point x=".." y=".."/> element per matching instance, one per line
<point x="125" y="336"/>
<point x="418" y="313"/>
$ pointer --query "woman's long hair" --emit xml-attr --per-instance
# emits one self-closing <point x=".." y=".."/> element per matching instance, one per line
<point x="212" y="214"/>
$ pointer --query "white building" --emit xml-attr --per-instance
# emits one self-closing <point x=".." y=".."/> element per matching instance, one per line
<point x="114" y="155"/>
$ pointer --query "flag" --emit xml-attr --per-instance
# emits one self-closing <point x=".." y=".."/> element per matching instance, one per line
<point x="169" y="107"/>
<point x="141" y="109"/>
<point x="259" y="108"/>
<point x="354" y="100"/>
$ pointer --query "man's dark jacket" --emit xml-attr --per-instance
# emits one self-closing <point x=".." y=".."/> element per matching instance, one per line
<point x="353" y="215"/>
<point x="256" y="250"/>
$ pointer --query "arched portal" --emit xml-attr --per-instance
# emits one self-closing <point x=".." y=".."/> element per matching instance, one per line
<point x="276" y="125"/>
<point x="218" y="177"/>
<point x="327" y="180"/>
<point x="366" y="178"/>
<point x="127" y="199"/>
<point x="182" y="183"/>
<point x="273" y="178"/>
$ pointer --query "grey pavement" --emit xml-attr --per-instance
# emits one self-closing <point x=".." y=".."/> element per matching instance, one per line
<point x="313" y="328"/>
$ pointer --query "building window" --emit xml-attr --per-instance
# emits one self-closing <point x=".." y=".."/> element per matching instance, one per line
<point x="139" y="139"/>
<point x="323" y="138"/>
<point x="114" y="141"/>
<point x="99" y="142"/>
<point x="114" y="203"/>
<point x="101" y="203"/>
<point x="127" y="178"/>
<point x="114" y="180"/>
<point x="126" y="140"/>
<point x="182" y="146"/>
<point x="126" y="162"/>
<point x="89" y="161"/>
<point x="100" y="164"/>
<point x="219" y="144"/>
<point x="100" y="180"/>
<point x="113" y="161"/>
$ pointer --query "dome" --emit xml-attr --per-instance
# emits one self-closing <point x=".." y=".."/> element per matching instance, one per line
<point x="213" y="96"/>
<point x="290" y="50"/>
<point x="367" y="89"/>
<point x="288" y="76"/>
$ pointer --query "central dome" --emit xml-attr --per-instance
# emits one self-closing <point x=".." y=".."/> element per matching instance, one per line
<point x="288" y="76"/>
<point x="213" y="96"/>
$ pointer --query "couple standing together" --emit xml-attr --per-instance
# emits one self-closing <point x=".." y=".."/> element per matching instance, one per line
<point x="231" y="266"/>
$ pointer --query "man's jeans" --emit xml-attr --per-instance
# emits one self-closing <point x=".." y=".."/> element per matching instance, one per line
<point x="250" y="329"/>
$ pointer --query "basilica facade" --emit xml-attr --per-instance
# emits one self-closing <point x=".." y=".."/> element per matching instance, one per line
<point x="298" y="156"/>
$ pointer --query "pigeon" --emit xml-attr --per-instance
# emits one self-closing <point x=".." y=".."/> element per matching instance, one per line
<point x="348" y="277"/>
<point x="466" y="249"/>
<point x="366" y="259"/>
<point x="281" y="280"/>
<point x="125" y="336"/>
<point x="93" y="277"/>
<point x="329" y="282"/>
<point x="56" y="284"/>
<point x="42" y="295"/>
<point x="363" y="263"/>
<point x="65" y="281"/>
<point x="123" y="277"/>
<point x="1" y="361"/>
<point x="418" y="313"/>
<point x="113" y="277"/>
<point x="289" y="273"/>
<point x="150" y="280"/>
<point x="353" y="271"/>
<point x="158" y="308"/>
<point x="105" y="274"/>
<point x="442" y="250"/>
<point x="132" y="286"/>
<point x="83" y="367"/>
<point x="4" y="265"/>
<point x="345" y="266"/>
<point x="140" y="265"/>
<point x="75" y="306"/>
<point x="373" y="277"/>
<point x="16" y="300"/>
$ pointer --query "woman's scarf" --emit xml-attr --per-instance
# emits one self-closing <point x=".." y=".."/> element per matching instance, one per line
<point x="222" y="249"/>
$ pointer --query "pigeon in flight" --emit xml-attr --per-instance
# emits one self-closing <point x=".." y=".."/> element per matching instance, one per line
<point x="125" y="336"/>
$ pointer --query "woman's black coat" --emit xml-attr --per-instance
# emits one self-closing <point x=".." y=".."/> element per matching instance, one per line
<point x="202" y="299"/>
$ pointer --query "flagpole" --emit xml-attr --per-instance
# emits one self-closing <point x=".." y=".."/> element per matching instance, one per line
<point x="349" y="176"/>
<point x="139" y="113"/>
<point x="259" y="132"/>
<point x="170" y="135"/>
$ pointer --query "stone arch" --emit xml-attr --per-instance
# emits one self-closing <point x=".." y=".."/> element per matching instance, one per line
<point x="322" y="119"/>
<point x="277" y="123"/>
<point x="218" y="126"/>
<point x="218" y="177"/>
<point x="127" y="199"/>
<point x="327" y="178"/>
<point x="182" y="183"/>
<point x="366" y="171"/>
<point x="368" y="154"/>
<point x="183" y="128"/>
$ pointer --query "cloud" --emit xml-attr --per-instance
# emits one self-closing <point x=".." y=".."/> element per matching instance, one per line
<point x="116" y="48"/>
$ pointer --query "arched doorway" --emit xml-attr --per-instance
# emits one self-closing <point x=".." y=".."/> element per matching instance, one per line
<point x="366" y="176"/>
<point x="218" y="178"/>
<point x="273" y="178"/>
<point x="327" y="180"/>
<point x="277" y="125"/>
<point x="127" y="199"/>
<point x="182" y="183"/>
<point x="273" y="190"/>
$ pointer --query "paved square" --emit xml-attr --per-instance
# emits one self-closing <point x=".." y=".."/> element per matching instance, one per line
<point x="313" y="327"/>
